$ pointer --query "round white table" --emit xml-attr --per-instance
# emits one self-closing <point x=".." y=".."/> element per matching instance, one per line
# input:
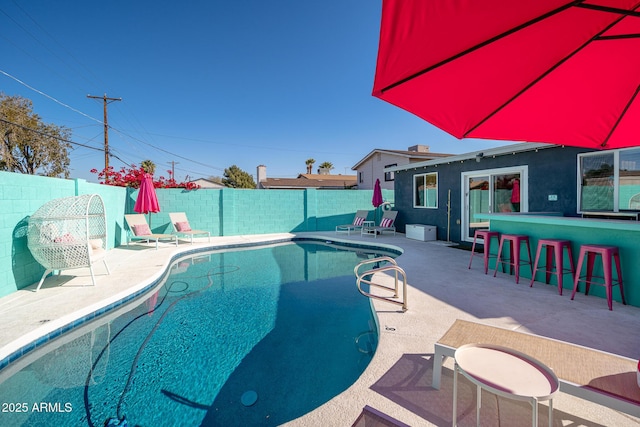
<point x="507" y="373"/>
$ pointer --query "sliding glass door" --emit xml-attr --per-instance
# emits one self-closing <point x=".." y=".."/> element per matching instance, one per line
<point x="487" y="191"/>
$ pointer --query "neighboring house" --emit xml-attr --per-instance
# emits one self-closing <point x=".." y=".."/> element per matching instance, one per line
<point x="305" y="180"/>
<point x="527" y="177"/>
<point x="373" y="165"/>
<point x="206" y="183"/>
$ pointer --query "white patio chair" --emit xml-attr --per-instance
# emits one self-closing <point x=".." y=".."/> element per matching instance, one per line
<point x="139" y="231"/>
<point x="358" y="222"/>
<point x="181" y="226"/>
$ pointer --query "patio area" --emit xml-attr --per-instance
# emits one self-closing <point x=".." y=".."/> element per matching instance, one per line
<point x="398" y="380"/>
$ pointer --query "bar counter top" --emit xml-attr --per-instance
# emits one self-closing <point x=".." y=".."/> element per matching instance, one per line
<point x="554" y="218"/>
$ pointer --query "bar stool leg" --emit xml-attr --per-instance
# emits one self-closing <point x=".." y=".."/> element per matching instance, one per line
<point x="529" y="254"/>
<point x="535" y="265"/>
<point x="571" y="264"/>
<point x="499" y="258"/>
<point x="559" y="266"/>
<point x="485" y="254"/>
<point x="549" y="265"/>
<point x="608" y="279"/>
<point x="616" y="257"/>
<point x="590" y="262"/>
<point x="516" y="259"/>
<point x="473" y="249"/>
<point x="576" y="279"/>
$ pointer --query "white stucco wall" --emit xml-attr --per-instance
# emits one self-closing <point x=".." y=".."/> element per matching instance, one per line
<point x="373" y="168"/>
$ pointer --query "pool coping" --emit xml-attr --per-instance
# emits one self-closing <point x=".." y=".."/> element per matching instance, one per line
<point x="37" y="338"/>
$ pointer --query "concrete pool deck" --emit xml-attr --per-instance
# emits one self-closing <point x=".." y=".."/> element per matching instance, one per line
<point x="398" y="380"/>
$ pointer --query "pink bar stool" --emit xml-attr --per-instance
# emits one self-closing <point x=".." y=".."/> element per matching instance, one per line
<point x="486" y="236"/>
<point x="515" y="241"/>
<point x="554" y="249"/>
<point x="607" y="253"/>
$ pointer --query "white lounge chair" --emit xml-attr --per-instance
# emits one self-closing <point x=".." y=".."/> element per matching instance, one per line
<point x="358" y="222"/>
<point x="140" y="231"/>
<point x="387" y="223"/>
<point x="181" y="226"/>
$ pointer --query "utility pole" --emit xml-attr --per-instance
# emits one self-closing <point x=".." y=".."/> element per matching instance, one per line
<point x="173" y="168"/>
<point x="106" y="101"/>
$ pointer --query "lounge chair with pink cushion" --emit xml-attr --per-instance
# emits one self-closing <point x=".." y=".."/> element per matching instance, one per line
<point x="358" y="222"/>
<point x="182" y="227"/>
<point x="387" y="223"/>
<point x="140" y="231"/>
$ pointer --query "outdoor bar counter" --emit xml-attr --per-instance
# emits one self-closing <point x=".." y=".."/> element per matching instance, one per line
<point x="622" y="233"/>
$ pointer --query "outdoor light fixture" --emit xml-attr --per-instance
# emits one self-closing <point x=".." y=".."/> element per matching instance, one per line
<point x="479" y="157"/>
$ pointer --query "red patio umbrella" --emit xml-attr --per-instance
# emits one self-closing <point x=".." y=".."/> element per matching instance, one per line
<point x="377" y="196"/>
<point x="556" y="71"/>
<point x="147" y="200"/>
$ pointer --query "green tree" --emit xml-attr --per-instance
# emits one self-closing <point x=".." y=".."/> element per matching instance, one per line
<point x="326" y="165"/>
<point x="29" y="145"/>
<point x="235" y="177"/>
<point x="309" y="164"/>
<point x="148" y="166"/>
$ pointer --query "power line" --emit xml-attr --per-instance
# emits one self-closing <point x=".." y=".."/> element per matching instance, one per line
<point x="167" y="152"/>
<point x="48" y="96"/>
<point x="49" y="136"/>
<point x="105" y="123"/>
<point x="62" y="46"/>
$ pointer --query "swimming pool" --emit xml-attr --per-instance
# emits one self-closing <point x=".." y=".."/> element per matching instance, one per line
<point x="284" y="324"/>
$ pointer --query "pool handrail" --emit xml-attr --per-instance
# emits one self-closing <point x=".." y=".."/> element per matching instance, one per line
<point x="392" y="266"/>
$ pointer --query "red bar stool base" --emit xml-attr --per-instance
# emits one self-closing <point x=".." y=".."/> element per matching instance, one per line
<point x="515" y="242"/>
<point x="486" y="236"/>
<point x="554" y="249"/>
<point x="607" y="253"/>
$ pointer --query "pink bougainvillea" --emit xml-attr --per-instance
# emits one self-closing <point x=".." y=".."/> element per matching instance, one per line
<point x="131" y="178"/>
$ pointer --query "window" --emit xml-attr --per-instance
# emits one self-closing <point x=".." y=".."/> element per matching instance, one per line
<point x="425" y="190"/>
<point x="596" y="172"/>
<point x="390" y="176"/>
<point x="629" y="181"/>
<point x="609" y="181"/>
<point x="360" y="178"/>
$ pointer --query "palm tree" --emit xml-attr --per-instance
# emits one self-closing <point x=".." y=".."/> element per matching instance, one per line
<point x="309" y="164"/>
<point x="148" y="166"/>
<point x="327" y="166"/>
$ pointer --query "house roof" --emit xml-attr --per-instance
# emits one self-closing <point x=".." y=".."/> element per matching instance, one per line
<point x="325" y="182"/>
<point x="413" y="155"/>
<point x="327" y="177"/>
<point x="490" y="152"/>
<point x="207" y="183"/>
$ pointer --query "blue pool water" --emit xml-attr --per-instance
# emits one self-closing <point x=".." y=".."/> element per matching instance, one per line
<point x="283" y="323"/>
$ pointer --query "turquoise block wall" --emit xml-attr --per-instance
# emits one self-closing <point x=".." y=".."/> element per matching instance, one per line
<point x="224" y="212"/>
<point x="230" y="212"/>
<point x="20" y="196"/>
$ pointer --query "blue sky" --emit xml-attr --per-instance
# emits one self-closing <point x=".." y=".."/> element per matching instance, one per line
<point x="210" y="84"/>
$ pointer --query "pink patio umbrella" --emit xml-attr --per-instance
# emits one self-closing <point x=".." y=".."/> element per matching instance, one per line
<point x="377" y="197"/>
<point x="147" y="200"/>
<point x="555" y="71"/>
